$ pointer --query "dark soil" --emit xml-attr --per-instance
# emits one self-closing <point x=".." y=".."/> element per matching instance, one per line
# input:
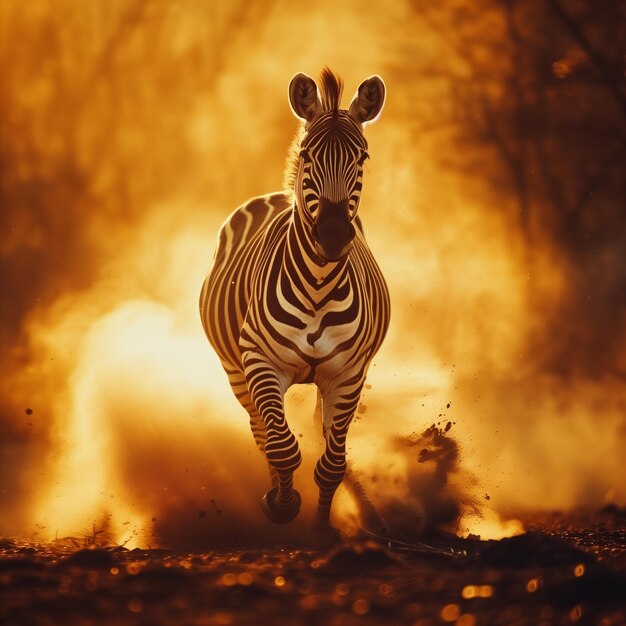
<point x="566" y="569"/>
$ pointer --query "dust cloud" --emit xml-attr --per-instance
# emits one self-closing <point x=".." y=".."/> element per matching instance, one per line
<point x="131" y="130"/>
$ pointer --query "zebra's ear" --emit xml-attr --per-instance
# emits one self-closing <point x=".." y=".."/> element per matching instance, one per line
<point x="303" y="97"/>
<point x="368" y="102"/>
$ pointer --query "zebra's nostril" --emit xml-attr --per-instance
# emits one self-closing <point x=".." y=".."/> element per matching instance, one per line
<point x="332" y="237"/>
<point x="315" y="234"/>
<point x="351" y="231"/>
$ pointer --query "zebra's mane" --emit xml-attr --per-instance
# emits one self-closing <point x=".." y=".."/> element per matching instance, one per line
<point x="291" y="163"/>
<point x="331" y="88"/>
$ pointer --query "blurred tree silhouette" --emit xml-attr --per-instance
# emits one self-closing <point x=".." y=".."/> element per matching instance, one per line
<point x="539" y="108"/>
<point x="94" y="130"/>
<point x="94" y="115"/>
<point x="94" y="106"/>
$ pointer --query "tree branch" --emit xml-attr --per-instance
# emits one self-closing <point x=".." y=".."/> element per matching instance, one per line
<point x="577" y="33"/>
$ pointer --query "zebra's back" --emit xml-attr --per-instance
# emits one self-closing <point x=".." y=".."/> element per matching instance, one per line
<point x="226" y="290"/>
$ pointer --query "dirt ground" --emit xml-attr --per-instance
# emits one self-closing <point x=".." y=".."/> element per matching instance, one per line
<point x="566" y="569"/>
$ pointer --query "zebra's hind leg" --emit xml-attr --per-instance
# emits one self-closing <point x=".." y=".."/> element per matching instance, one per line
<point x="338" y="410"/>
<point x="370" y="516"/>
<point x="329" y="472"/>
<point x="281" y="504"/>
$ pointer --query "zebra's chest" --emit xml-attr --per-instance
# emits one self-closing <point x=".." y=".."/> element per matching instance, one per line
<point x="322" y="328"/>
<point x="303" y="335"/>
<point x="308" y="326"/>
<point x="322" y="344"/>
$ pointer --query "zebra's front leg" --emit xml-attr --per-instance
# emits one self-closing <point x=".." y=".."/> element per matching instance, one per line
<point x="281" y="504"/>
<point x="257" y="425"/>
<point x="338" y="411"/>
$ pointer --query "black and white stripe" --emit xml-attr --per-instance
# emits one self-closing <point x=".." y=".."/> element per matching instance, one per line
<point x="294" y="295"/>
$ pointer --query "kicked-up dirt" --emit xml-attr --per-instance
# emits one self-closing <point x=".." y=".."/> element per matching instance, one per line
<point x="568" y="568"/>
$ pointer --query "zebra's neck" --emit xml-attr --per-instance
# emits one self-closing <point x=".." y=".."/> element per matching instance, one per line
<point x="302" y="258"/>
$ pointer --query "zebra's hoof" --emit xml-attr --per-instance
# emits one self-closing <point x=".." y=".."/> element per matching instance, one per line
<point x="278" y="514"/>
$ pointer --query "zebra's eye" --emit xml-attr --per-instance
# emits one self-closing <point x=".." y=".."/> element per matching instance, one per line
<point x="363" y="157"/>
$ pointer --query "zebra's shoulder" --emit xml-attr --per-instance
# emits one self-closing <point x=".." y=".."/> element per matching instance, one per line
<point x="257" y="213"/>
<point x="269" y="205"/>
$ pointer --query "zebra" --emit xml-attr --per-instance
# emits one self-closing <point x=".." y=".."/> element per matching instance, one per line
<point x="294" y="294"/>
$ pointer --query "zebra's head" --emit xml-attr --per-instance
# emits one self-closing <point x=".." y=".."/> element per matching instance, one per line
<point x="328" y="167"/>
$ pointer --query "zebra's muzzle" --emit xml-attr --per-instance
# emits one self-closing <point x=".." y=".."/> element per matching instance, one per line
<point x="333" y="231"/>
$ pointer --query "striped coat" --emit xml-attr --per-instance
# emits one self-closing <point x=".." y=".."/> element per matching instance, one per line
<point x="294" y="294"/>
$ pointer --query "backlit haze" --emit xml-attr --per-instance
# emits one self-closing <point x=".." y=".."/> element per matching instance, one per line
<point x="493" y="202"/>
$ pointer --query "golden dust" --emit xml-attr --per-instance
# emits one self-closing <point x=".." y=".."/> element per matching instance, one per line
<point x="338" y="600"/>
<point x="533" y="584"/>
<point x="133" y="568"/>
<point x="477" y="591"/>
<point x="386" y="590"/>
<point x="245" y="579"/>
<point x="115" y="571"/>
<point x="135" y="605"/>
<point x="280" y="581"/>
<point x="467" y="619"/>
<point x="485" y="591"/>
<point x="450" y="613"/>
<point x="341" y="589"/>
<point x="208" y="135"/>
<point x="228" y="580"/>
<point x="564" y="67"/>
<point x="360" y="606"/>
<point x="576" y="613"/>
<point x="579" y="570"/>
<point x="561" y="69"/>
<point x="489" y="525"/>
